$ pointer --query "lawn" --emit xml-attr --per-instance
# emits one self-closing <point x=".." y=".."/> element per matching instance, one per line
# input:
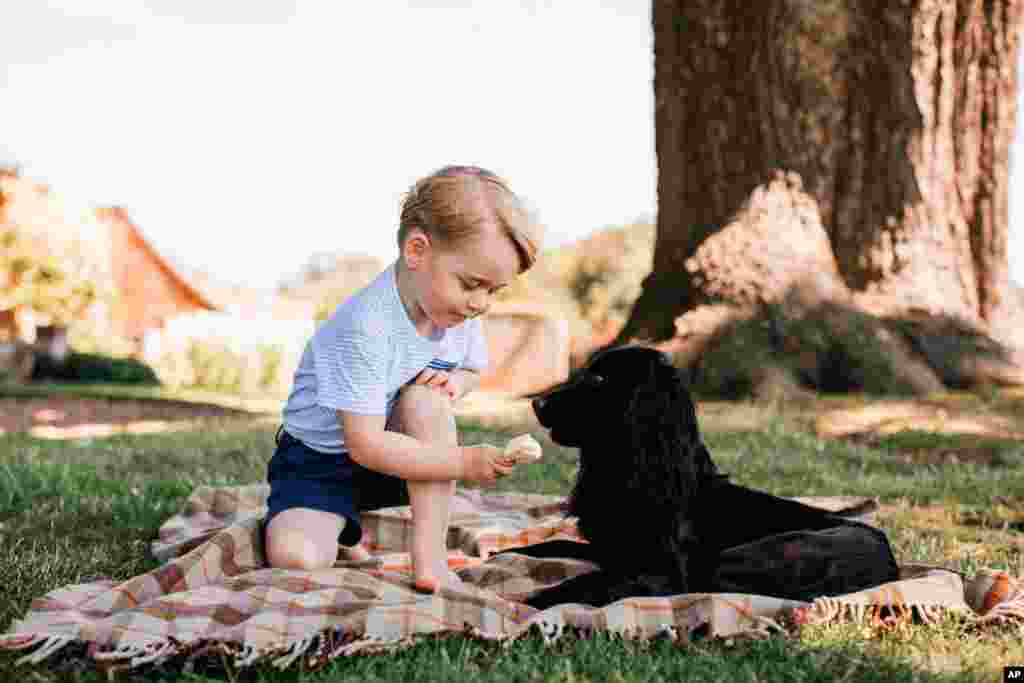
<point x="76" y="510"/>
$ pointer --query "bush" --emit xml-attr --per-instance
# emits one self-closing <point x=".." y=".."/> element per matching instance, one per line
<point x="91" y="368"/>
<point x="831" y="349"/>
<point x="216" y="365"/>
<point x="607" y="277"/>
<point x="591" y="282"/>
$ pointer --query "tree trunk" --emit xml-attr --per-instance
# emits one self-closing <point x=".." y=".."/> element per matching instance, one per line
<point x="897" y="115"/>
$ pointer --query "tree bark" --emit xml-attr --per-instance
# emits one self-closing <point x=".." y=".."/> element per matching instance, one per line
<point x="896" y="114"/>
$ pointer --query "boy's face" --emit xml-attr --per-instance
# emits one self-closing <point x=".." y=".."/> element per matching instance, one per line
<point x="453" y="284"/>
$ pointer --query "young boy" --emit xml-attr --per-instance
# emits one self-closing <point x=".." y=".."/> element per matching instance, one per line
<point x="369" y="422"/>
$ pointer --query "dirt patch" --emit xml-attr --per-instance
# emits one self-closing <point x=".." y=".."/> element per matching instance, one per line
<point x="957" y="430"/>
<point x="66" y="417"/>
<point x="991" y="456"/>
<point x="890" y="417"/>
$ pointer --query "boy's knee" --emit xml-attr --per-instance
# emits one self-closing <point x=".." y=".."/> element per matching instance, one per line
<point x="420" y="402"/>
<point x="417" y="394"/>
<point x="423" y="411"/>
<point x="291" y="549"/>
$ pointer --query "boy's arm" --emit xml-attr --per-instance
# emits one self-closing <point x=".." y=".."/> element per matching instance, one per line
<point x="402" y="456"/>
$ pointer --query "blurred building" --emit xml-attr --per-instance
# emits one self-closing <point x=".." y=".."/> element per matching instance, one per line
<point x="148" y="289"/>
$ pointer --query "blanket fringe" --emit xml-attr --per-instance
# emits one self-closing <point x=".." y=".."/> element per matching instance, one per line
<point x="157" y="652"/>
<point x="200" y="649"/>
<point x="550" y="631"/>
<point x="829" y="610"/>
<point x="1010" y="609"/>
<point x="121" y="652"/>
<point x="249" y="655"/>
<point x="293" y="652"/>
<point x="51" y="645"/>
<point x="329" y="644"/>
<point x="930" y="614"/>
<point x="371" y="645"/>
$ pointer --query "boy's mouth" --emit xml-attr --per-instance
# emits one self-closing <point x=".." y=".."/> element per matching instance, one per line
<point x="456" y="319"/>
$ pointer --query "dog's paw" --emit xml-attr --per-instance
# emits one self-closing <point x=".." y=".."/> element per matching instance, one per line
<point x="522" y="449"/>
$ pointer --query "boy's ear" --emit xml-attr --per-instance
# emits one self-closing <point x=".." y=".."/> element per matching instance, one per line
<point x="415" y="248"/>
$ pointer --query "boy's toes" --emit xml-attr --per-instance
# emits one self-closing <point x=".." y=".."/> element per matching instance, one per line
<point x="426" y="584"/>
<point x="356" y="553"/>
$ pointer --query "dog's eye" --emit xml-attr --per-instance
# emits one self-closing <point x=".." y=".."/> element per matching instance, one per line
<point x="595" y="380"/>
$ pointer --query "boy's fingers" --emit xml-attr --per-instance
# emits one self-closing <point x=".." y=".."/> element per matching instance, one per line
<point x="432" y="378"/>
<point x="503" y="468"/>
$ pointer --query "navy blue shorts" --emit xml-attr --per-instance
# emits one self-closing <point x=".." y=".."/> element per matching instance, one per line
<point x="300" y="476"/>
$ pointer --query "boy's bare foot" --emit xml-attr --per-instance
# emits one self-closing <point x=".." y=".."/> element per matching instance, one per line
<point x="431" y="584"/>
<point x="355" y="553"/>
<point x="426" y="584"/>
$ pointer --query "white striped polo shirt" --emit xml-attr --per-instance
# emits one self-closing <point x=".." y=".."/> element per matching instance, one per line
<point x="360" y="357"/>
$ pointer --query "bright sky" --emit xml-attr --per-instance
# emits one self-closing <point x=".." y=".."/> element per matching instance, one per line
<point x="244" y="136"/>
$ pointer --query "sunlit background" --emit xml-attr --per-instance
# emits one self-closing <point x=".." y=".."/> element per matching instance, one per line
<point x="242" y="137"/>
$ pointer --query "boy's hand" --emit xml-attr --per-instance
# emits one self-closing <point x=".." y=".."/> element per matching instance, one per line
<point x="454" y="384"/>
<point x="522" y="449"/>
<point x="439" y="379"/>
<point x="483" y="464"/>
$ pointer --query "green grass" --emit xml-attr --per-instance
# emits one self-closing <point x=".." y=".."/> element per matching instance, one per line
<point x="75" y="511"/>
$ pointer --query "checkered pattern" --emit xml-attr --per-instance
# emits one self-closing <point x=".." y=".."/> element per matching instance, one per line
<point x="215" y="590"/>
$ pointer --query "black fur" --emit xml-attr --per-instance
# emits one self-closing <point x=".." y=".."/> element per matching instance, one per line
<point x="648" y="498"/>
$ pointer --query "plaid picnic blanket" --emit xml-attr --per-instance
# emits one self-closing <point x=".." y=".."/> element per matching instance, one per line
<point x="215" y="591"/>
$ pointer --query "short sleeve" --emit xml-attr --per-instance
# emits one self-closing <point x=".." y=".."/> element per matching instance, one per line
<point x="351" y="371"/>
<point x="476" y="346"/>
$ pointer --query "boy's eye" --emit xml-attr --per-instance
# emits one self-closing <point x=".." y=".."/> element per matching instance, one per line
<point x="476" y="284"/>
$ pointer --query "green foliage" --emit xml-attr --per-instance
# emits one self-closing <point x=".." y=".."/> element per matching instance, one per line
<point x="91" y="334"/>
<point x="216" y="365"/>
<point x="732" y="361"/>
<point x="44" y="264"/>
<point x="610" y="269"/>
<point x="828" y="350"/>
<point x="41" y="280"/>
<point x="89" y="368"/>
<point x="591" y="282"/>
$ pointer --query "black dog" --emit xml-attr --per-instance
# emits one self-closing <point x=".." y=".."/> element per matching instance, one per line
<point x="659" y="516"/>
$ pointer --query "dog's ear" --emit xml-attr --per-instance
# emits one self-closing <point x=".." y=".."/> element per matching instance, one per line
<point x="662" y="399"/>
<point x="685" y="400"/>
<point x="665" y="444"/>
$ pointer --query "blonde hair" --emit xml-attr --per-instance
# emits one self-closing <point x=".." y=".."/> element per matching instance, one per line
<point x="446" y="206"/>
